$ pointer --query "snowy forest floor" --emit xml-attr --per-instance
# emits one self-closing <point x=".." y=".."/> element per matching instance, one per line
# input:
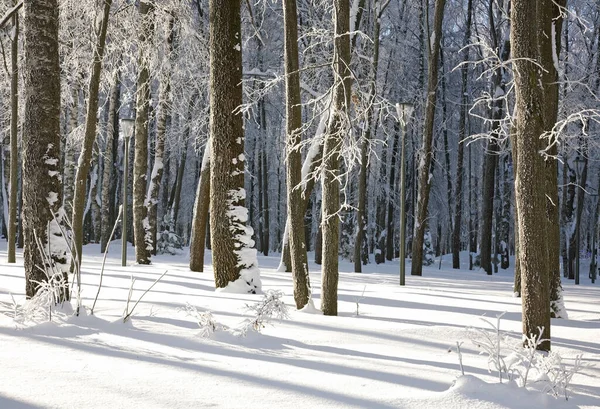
<point x="393" y="354"/>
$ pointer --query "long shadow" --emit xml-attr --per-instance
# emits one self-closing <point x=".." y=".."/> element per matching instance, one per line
<point x="10" y="403"/>
<point x="257" y="379"/>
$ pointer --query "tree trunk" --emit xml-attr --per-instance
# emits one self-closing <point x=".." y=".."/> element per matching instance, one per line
<point x="159" y="148"/>
<point x="232" y="252"/>
<point x="462" y="133"/>
<point x="530" y="195"/>
<point x="14" y="126"/>
<point x="339" y="122"/>
<point x="112" y="130"/>
<point x="42" y="195"/>
<point x="140" y="164"/>
<point x="200" y="218"/>
<point x="295" y="206"/>
<point x="427" y="153"/>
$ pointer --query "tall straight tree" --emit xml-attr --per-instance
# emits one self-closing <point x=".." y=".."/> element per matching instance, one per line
<point x="42" y="193"/>
<point x="89" y="138"/>
<point x="462" y="133"/>
<point x="200" y="216"/>
<point x="338" y="126"/>
<point x="530" y="195"/>
<point x="295" y="205"/>
<point x="14" y="159"/>
<point x="551" y="15"/>
<point x="427" y="151"/>
<point x="141" y="233"/>
<point x="234" y="257"/>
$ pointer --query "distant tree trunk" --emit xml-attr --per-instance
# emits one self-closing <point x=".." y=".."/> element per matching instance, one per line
<point x="159" y="148"/>
<point x="179" y="179"/>
<point x="232" y="253"/>
<point x="504" y="236"/>
<point x="462" y="133"/>
<point x="339" y="122"/>
<point x="530" y="170"/>
<point x="140" y="165"/>
<point x="295" y="204"/>
<point x="200" y="218"/>
<point x="427" y="153"/>
<point x="490" y="163"/>
<point x="112" y="130"/>
<point x="389" y="238"/>
<point x="42" y="194"/>
<point x="265" y="192"/>
<point x="14" y="126"/>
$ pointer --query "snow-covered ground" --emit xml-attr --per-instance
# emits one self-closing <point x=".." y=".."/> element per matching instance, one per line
<point x="390" y="347"/>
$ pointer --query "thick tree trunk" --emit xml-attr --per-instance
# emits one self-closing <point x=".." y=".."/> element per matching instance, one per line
<point x="295" y="203"/>
<point x="159" y="148"/>
<point x="200" y="218"/>
<point x="232" y="252"/>
<point x="427" y="153"/>
<point x="42" y="194"/>
<point x="109" y="162"/>
<point x="140" y="165"/>
<point x="530" y="169"/>
<point x="339" y="122"/>
<point x="14" y="123"/>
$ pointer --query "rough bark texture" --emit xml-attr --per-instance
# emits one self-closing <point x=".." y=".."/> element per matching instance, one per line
<point x="42" y="194"/>
<point x="427" y="152"/>
<point x="159" y="147"/>
<point x="529" y="193"/>
<point x="140" y="163"/>
<point x="87" y="148"/>
<point x="462" y="133"/>
<point x="551" y="15"/>
<point x="295" y="205"/>
<point x="200" y="219"/>
<point x="333" y="144"/>
<point x="14" y="122"/>
<point x="109" y="162"/>
<point x="226" y="139"/>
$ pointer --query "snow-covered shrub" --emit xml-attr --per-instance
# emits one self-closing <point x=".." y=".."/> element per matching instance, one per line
<point x="522" y="362"/>
<point x="169" y="242"/>
<point x="205" y="320"/>
<point x="263" y="312"/>
<point x="428" y="253"/>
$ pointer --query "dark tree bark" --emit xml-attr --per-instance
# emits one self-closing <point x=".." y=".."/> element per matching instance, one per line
<point x="427" y="152"/>
<point x="295" y="206"/>
<point x="331" y="151"/>
<point x="89" y="139"/>
<point x="141" y="231"/>
<point x="42" y="194"/>
<point x="14" y="123"/>
<point x="227" y="211"/>
<point x="530" y="169"/>
<point x="462" y="133"/>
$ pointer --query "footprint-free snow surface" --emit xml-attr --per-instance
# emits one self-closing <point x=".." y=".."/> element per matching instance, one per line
<point x="390" y="346"/>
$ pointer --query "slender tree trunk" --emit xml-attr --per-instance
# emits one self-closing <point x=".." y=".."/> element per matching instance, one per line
<point x="389" y="238"/>
<point x="42" y="195"/>
<point x="140" y="166"/>
<point x="88" y="142"/>
<point x="530" y="169"/>
<point x="295" y="206"/>
<point x="200" y="218"/>
<point x="159" y="148"/>
<point x="179" y="179"/>
<point x="462" y="133"/>
<point x="339" y="122"/>
<point x="109" y="161"/>
<point x="232" y="252"/>
<point x="265" y="192"/>
<point x="14" y="125"/>
<point x="427" y="153"/>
